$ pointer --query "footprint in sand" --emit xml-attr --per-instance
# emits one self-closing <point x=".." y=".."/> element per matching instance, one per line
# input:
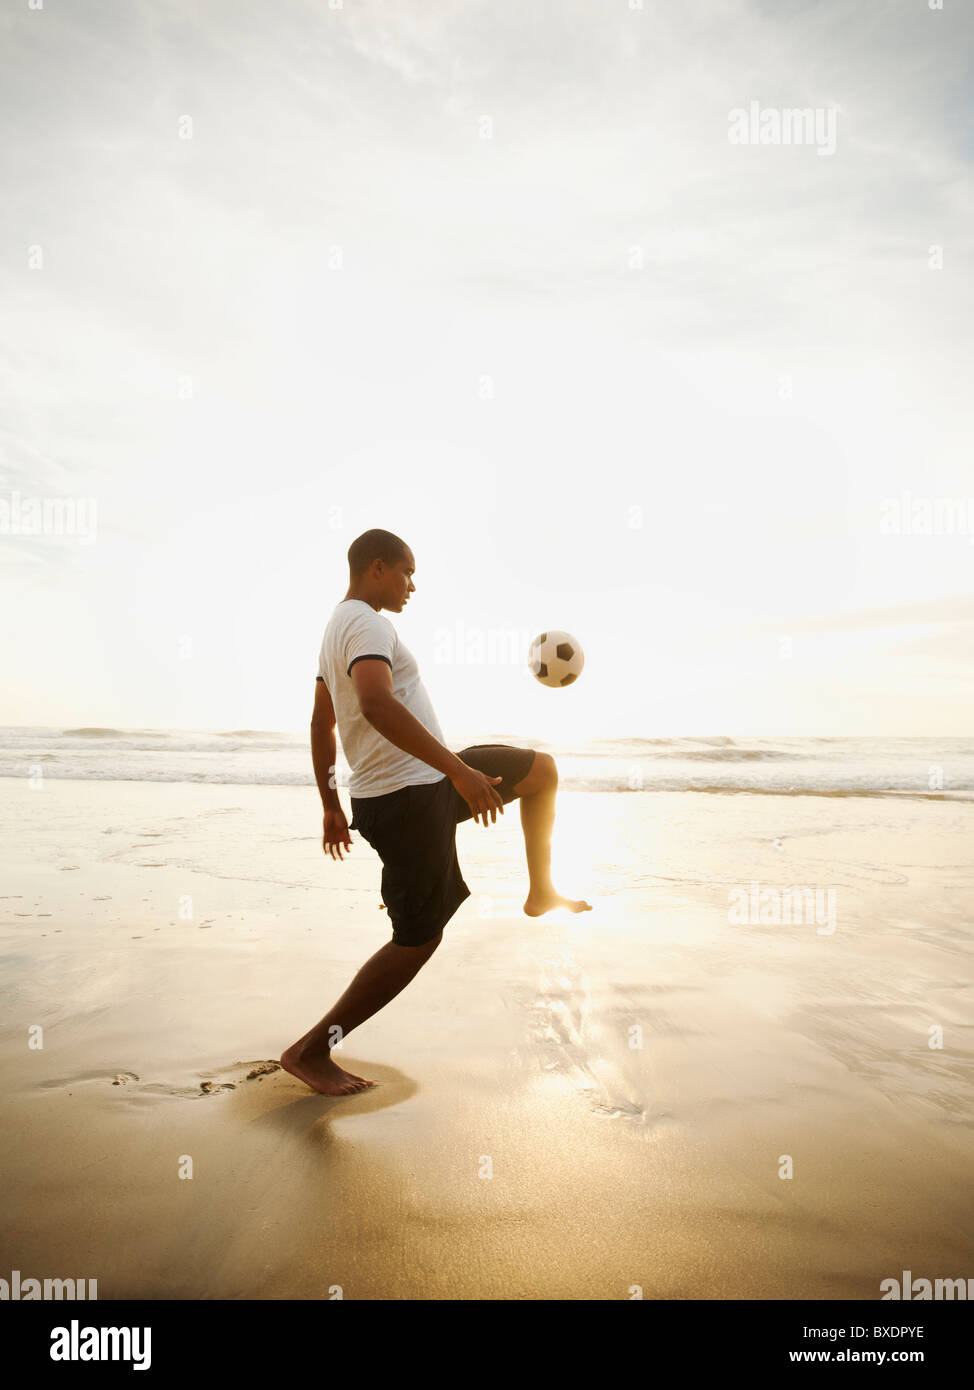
<point x="257" y="1072"/>
<point x="118" y="1078"/>
<point x="212" y="1083"/>
<point x="262" y="1069"/>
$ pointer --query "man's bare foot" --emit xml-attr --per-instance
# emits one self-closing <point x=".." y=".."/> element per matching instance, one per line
<point x="322" y="1074"/>
<point x="537" y="903"/>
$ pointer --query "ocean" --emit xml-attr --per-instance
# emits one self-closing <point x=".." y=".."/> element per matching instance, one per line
<point x="936" y="768"/>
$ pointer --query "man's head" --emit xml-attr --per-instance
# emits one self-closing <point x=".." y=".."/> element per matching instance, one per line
<point x="380" y="570"/>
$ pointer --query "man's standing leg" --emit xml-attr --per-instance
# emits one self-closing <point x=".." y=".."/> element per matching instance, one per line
<point x="380" y="979"/>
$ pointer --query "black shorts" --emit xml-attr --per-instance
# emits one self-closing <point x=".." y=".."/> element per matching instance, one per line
<point x="413" y="831"/>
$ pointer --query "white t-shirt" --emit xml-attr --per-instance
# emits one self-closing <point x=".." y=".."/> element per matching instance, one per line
<point x="376" y="765"/>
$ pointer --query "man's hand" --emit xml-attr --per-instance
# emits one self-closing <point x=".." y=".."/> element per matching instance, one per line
<point x="477" y="790"/>
<point x="335" y="834"/>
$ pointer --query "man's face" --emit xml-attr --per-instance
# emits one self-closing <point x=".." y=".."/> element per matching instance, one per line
<point x="399" y="583"/>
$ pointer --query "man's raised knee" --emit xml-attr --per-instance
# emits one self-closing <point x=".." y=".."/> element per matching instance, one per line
<point x="542" y="777"/>
<point x="547" y="767"/>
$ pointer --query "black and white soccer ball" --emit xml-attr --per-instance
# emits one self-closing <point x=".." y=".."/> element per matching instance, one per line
<point x="556" y="658"/>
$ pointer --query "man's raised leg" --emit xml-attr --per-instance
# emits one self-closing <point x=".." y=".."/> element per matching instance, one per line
<point x="537" y="794"/>
<point x="380" y="979"/>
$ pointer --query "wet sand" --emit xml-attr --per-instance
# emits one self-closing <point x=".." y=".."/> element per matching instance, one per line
<point x="570" y="1107"/>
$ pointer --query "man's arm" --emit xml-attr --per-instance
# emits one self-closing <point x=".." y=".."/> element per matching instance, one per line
<point x="372" y="679"/>
<point x="323" y="747"/>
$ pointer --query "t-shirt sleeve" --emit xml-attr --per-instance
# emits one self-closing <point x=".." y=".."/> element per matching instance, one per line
<point x="368" y="635"/>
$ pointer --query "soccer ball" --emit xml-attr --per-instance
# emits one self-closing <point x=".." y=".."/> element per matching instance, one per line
<point x="556" y="658"/>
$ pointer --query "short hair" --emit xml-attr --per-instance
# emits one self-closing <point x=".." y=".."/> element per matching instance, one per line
<point x="375" y="545"/>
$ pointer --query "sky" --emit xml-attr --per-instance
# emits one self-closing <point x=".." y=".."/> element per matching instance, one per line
<point x="494" y="277"/>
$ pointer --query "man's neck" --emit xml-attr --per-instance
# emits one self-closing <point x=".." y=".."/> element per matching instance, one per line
<point x="363" y="598"/>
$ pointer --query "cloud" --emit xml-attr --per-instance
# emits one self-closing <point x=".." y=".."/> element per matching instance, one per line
<point x="748" y="343"/>
<point x="952" y="609"/>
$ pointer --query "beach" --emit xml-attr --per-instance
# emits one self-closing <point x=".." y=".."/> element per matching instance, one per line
<point x="385" y="379"/>
<point x="649" y="1099"/>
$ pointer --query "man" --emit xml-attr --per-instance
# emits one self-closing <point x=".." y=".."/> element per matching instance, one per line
<point x="408" y="792"/>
